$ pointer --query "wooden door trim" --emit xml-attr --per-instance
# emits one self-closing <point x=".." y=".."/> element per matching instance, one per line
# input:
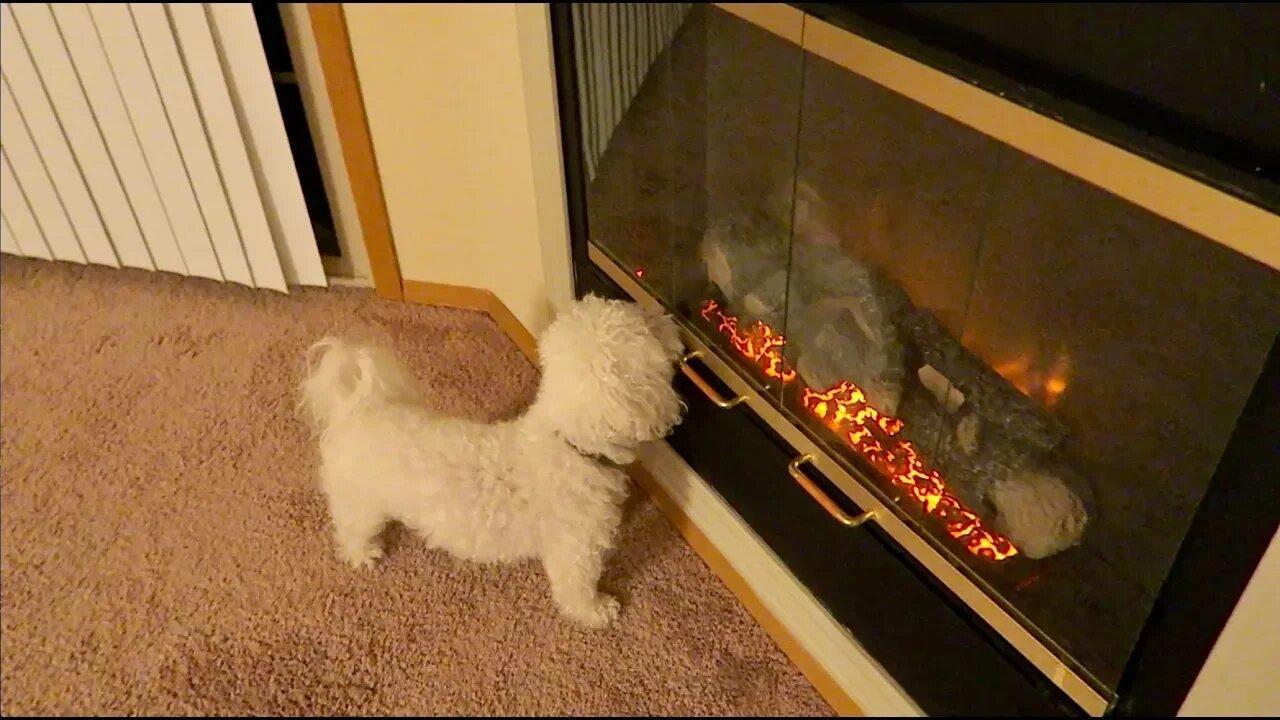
<point x="333" y="44"/>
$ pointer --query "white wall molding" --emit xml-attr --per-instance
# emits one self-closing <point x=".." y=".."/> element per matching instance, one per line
<point x="537" y="67"/>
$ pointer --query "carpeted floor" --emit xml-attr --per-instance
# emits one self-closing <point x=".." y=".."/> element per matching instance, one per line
<point x="165" y="550"/>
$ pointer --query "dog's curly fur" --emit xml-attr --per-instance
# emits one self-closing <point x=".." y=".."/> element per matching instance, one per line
<point x="533" y="487"/>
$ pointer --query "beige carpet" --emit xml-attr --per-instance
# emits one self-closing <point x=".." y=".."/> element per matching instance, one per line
<point x="165" y="550"/>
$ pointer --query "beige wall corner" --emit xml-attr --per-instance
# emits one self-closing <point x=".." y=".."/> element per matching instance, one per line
<point x="460" y="102"/>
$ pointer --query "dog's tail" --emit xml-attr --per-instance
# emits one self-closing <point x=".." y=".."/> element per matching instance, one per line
<point x="341" y="377"/>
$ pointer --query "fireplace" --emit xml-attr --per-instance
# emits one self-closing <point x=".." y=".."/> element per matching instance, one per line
<point x="1021" y="380"/>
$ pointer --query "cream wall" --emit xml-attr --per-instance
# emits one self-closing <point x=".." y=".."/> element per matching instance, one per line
<point x="461" y="106"/>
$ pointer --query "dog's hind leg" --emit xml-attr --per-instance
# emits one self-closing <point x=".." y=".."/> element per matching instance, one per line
<point x="356" y="528"/>
<point x="574" y="574"/>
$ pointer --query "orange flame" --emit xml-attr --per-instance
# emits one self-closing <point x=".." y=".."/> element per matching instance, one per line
<point x="1046" y="385"/>
<point x="844" y="409"/>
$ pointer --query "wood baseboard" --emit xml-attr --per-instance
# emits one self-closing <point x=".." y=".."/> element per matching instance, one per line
<point x="821" y="680"/>
<point x="469" y="298"/>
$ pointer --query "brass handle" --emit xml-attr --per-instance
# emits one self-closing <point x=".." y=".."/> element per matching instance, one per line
<point x="827" y="503"/>
<point x="702" y="384"/>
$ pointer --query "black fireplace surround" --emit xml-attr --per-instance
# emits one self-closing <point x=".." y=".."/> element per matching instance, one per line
<point x="681" y="168"/>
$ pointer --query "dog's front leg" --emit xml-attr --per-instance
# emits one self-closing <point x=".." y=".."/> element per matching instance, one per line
<point x="573" y="568"/>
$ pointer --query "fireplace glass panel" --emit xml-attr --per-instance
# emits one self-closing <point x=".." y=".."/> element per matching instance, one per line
<point x="1041" y="375"/>
<point x="1038" y="376"/>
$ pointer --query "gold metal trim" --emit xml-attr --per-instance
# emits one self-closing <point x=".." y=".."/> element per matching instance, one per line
<point x="704" y="386"/>
<point x="815" y="492"/>
<point x="1030" y="646"/>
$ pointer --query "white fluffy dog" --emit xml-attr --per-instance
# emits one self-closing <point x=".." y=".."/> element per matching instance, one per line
<point x="544" y="485"/>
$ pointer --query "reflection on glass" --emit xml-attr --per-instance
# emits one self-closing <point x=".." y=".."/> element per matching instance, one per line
<point x="752" y="91"/>
<point x="690" y="193"/>
<point x="643" y="181"/>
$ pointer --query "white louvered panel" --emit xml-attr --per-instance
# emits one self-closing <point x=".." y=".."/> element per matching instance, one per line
<point x="245" y="64"/>
<point x="617" y="44"/>
<point x="149" y="135"/>
<point x="26" y="233"/>
<point x="46" y="132"/>
<point x="210" y="84"/>
<point x="137" y="85"/>
<point x="30" y="173"/>
<point x="91" y="65"/>
<point x="52" y="62"/>
<point x="175" y="91"/>
<point x="7" y="243"/>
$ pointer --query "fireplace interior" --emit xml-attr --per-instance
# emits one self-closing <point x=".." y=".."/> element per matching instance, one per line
<point x="1039" y="376"/>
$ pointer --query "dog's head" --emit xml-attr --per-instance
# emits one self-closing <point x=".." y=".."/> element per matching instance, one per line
<point x="607" y="367"/>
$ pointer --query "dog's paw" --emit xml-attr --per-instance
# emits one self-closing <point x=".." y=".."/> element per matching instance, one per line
<point x="599" y="613"/>
<point x="365" y="557"/>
